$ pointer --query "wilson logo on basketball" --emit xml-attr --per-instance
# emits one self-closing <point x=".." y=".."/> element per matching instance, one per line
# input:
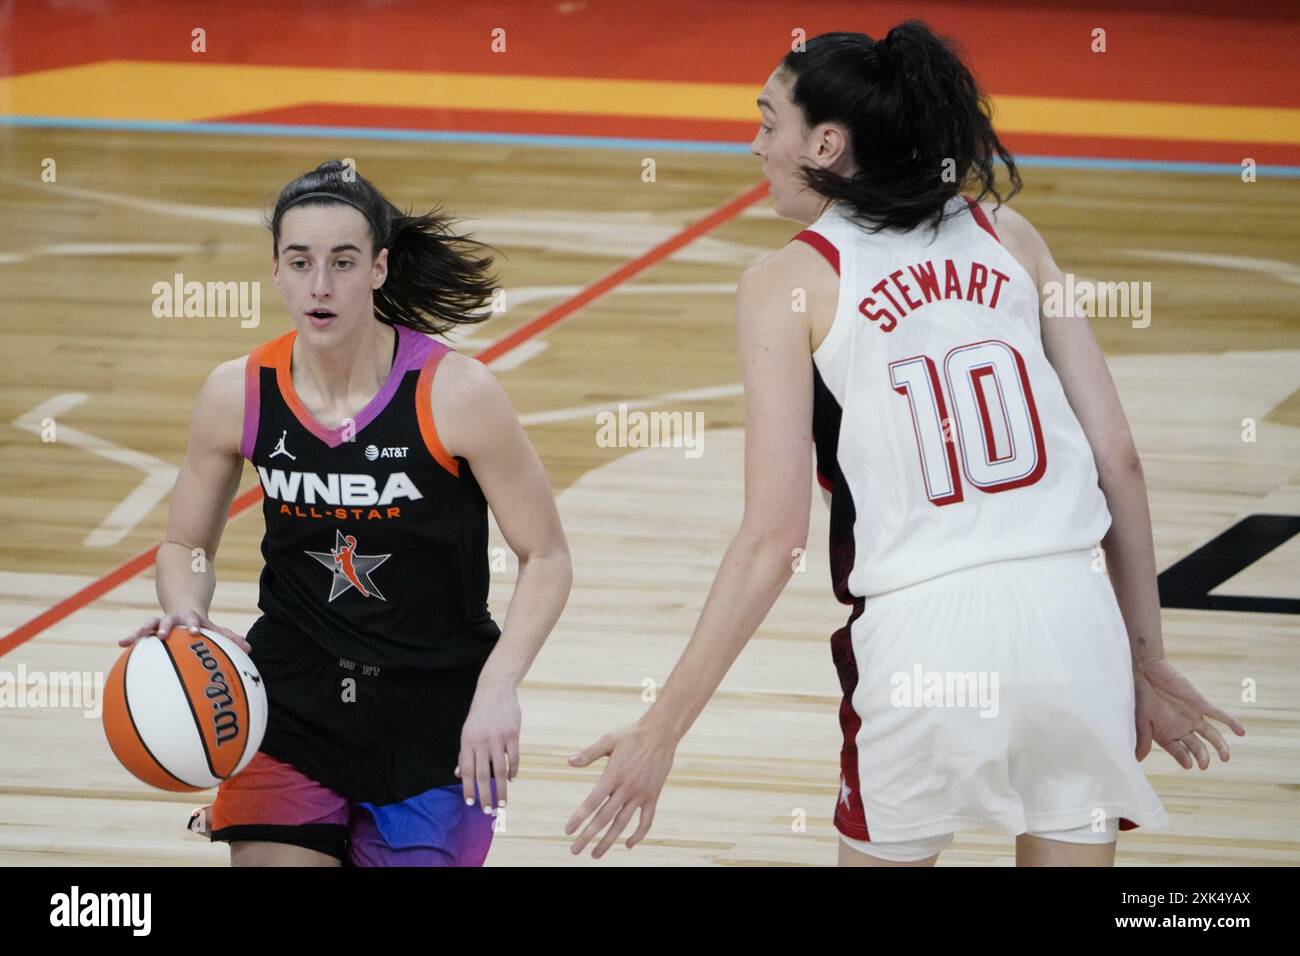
<point x="373" y="452"/>
<point x="341" y="489"/>
<point x="186" y="712"/>
<point x="225" y="719"/>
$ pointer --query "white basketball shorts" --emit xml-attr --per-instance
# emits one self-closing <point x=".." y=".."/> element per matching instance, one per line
<point x="995" y="697"/>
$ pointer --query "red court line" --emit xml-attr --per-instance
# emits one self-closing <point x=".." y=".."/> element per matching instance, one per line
<point x="133" y="566"/>
<point x="123" y="572"/>
<point x="620" y="275"/>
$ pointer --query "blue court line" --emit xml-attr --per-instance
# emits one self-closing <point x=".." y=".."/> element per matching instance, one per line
<point x="587" y="142"/>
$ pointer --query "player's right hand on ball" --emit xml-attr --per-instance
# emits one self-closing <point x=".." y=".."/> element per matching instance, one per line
<point x="193" y="620"/>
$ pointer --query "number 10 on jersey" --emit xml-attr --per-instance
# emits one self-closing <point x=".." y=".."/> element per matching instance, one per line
<point x="994" y="428"/>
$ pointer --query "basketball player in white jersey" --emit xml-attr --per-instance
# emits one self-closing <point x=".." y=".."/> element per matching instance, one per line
<point x="974" y="454"/>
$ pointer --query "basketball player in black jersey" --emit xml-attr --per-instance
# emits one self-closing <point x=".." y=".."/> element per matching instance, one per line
<point x="392" y="692"/>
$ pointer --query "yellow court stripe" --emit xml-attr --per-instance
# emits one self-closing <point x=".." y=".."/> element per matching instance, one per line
<point x="191" y="92"/>
<point x="1146" y="120"/>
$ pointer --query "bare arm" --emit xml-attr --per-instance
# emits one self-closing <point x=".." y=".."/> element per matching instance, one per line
<point x="1077" y="358"/>
<point x="185" y="571"/>
<point x="1168" y="708"/>
<point x="777" y="371"/>
<point x="476" y="422"/>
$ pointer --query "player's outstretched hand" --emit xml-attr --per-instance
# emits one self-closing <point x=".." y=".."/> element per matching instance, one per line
<point x="1172" y="712"/>
<point x="639" y="761"/>
<point x="193" y="620"/>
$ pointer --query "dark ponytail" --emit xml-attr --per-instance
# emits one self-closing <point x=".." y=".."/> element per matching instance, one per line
<point x="918" y="124"/>
<point x="436" y="278"/>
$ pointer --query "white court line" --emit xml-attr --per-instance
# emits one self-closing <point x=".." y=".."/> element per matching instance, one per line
<point x="518" y="355"/>
<point x="603" y="234"/>
<point x="1274" y="268"/>
<point x="159" y="475"/>
<point x="104" y="249"/>
<point x="177" y="210"/>
<point x="608" y="235"/>
<point x="591" y="411"/>
<point x="461" y="336"/>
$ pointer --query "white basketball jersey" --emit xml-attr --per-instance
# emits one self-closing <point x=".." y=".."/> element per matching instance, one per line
<point x="942" y="433"/>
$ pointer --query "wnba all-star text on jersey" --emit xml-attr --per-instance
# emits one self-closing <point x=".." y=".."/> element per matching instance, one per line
<point x="355" y="496"/>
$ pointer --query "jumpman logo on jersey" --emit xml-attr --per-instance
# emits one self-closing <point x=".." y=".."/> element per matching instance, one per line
<point x="845" y="792"/>
<point x="351" y="570"/>
<point x="280" y="449"/>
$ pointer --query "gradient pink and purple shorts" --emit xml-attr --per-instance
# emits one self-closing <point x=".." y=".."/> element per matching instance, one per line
<point x="273" y="801"/>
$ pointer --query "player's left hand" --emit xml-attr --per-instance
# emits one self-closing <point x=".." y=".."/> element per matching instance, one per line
<point x="639" y="762"/>
<point x="1172" y="712"/>
<point x="489" y="743"/>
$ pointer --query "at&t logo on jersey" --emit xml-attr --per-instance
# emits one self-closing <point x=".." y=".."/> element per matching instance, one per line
<point x="373" y="452"/>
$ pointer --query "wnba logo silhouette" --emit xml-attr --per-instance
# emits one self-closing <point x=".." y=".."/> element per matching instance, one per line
<point x="351" y="570"/>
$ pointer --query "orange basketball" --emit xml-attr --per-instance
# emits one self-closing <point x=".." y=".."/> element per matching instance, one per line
<point x="185" y="712"/>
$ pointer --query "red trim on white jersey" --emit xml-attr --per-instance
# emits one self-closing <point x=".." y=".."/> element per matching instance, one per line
<point x="980" y="218"/>
<point x="822" y="245"/>
<point x="850" y="815"/>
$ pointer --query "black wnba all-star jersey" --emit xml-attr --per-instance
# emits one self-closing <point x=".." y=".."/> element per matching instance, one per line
<point x="376" y="538"/>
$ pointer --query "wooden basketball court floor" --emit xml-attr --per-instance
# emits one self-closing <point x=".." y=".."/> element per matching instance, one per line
<point x="755" y="782"/>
